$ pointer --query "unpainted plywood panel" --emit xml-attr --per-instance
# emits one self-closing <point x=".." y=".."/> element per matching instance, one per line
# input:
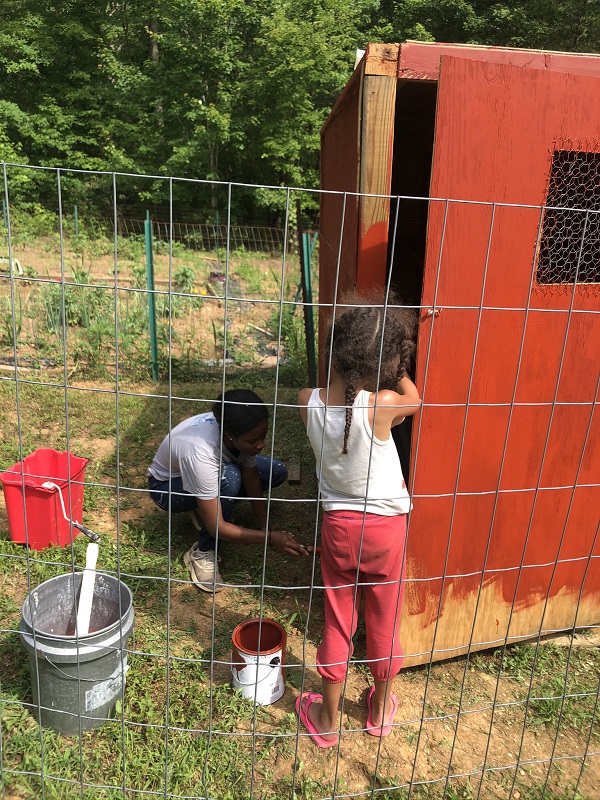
<point x="375" y="178"/>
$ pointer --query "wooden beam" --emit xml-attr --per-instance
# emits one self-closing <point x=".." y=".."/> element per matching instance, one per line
<point x="293" y="468"/>
<point x="377" y="145"/>
<point x="381" y="59"/>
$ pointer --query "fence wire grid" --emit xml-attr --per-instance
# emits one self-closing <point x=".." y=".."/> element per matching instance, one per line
<point x="498" y="694"/>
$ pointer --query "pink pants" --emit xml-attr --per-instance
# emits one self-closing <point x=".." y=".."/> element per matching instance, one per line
<point x="379" y="581"/>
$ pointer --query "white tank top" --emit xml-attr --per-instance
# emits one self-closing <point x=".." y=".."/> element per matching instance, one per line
<point x="343" y="478"/>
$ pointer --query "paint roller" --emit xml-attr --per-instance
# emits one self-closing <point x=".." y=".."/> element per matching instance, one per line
<point x="86" y="593"/>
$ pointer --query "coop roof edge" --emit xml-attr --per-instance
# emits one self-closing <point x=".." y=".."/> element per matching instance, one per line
<point x="414" y="60"/>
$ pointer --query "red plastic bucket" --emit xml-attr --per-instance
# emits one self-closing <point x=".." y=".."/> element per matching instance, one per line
<point x="35" y="514"/>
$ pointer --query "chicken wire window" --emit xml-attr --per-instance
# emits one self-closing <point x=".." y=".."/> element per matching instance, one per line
<point x="570" y="241"/>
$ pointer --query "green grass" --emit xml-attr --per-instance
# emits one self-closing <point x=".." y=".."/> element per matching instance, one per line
<point x="564" y="684"/>
<point x="174" y="685"/>
<point x="138" y="751"/>
<point x="190" y="761"/>
<point x="465" y="790"/>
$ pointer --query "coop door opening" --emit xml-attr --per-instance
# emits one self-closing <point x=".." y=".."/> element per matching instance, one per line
<point x="411" y="175"/>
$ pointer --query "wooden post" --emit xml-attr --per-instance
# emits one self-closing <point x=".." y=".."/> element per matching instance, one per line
<point x="375" y="172"/>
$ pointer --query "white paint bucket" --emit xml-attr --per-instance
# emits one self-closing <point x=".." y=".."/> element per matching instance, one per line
<point x="258" y="668"/>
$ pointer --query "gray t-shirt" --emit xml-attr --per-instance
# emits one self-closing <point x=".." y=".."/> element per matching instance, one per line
<point x="192" y="452"/>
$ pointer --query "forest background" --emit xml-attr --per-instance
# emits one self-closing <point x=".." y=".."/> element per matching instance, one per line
<point x="229" y="90"/>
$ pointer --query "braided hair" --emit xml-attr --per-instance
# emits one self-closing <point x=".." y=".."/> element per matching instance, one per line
<point x="362" y="335"/>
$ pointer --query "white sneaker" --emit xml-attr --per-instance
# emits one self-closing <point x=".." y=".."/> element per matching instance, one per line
<point x="203" y="569"/>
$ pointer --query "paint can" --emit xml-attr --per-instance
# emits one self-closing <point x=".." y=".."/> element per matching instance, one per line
<point x="258" y="667"/>
<point x="76" y="680"/>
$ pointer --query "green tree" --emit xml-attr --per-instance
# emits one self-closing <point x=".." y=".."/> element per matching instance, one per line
<point x="221" y="90"/>
<point x="303" y="56"/>
<point x="571" y="25"/>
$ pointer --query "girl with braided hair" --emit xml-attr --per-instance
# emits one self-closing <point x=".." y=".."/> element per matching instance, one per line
<point x="365" y="502"/>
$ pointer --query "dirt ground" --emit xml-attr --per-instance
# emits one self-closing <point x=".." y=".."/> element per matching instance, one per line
<point x="430" y="739"/>
<point x="436" y="733"/>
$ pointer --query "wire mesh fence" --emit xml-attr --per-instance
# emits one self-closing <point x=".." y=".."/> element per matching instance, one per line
<point x="209" y="236"/>
<point x="498" y="693"/>
<point x="570" y="241"/>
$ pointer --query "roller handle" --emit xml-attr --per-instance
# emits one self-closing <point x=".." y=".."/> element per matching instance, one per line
<point x="94" y="537"/>
<point x="86" y="594"/>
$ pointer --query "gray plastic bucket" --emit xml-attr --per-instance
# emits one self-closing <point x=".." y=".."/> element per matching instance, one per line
<point x="76" y="681"/>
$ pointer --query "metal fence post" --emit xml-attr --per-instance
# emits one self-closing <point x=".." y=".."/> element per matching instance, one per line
<point x="305" y="251"/>
<point x="151" y="299"/>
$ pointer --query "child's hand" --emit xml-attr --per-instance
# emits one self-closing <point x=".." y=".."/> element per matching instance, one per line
<point x="286" y="543"/>
<point x="312" y="549"/>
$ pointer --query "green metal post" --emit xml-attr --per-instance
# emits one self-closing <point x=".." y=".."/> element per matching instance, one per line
<point x="309" y="321"/>
<point x="305" y="275"/>
<point x="151" y="299"/>
<point x="217" y="233"/>
<point x="4" y="214"/>
<point x="76" y="220"/>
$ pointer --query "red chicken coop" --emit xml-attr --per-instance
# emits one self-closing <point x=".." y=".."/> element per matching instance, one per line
<point x="469" y="178"/>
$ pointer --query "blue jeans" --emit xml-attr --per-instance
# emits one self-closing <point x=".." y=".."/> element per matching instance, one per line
<point x="230" y="491"/>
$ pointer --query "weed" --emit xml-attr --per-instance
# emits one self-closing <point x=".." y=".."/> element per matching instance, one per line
<point x="90" y="348"/>
<point x="165" y="247"/>
<point x="73" y="304"/>
<point x="140" y="280"/>
<point x="250" y="273"/>
<point x="411" y="737"/>
<point x="292" y="336"/>
<point x="184" y="280"/>
<point x="131" y="248"/>
<point x="559" y="681"/>
<point x="29" y="273"/>
<point x="11" y="321"/>
<point x="297" y="618"/>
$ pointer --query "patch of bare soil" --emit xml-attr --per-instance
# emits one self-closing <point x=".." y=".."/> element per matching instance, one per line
<point x="450" y="724"/>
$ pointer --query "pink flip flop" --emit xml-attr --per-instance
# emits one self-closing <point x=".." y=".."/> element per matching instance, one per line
<point x="302" y="711"/>
<point x="381" y="730"/>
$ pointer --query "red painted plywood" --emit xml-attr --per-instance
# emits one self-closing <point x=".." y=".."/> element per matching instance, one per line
<point x="338" y="230"/>
<point x="517" y="508"/>
<point x="421" y="60"/>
